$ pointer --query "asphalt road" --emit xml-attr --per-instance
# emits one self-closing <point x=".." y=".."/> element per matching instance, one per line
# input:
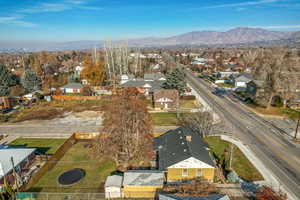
<point x="270" y="144"/>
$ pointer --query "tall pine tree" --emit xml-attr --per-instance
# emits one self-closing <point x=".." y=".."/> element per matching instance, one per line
<point x="30" y="81"/>
<point x="176" y="80"/>
<point x="7" y="80"/>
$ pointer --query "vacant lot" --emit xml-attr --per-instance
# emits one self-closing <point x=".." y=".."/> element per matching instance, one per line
<point x="54" y="109"/>
<point x="44" y="146"/>
<point x="241" y="165"/>
<point x="77" y="157"/>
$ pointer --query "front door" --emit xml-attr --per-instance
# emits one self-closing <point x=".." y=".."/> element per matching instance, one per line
<point x="166" y="105"/>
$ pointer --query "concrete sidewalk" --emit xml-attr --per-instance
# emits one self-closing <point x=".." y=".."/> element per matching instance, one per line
<point x="269" y="178"/>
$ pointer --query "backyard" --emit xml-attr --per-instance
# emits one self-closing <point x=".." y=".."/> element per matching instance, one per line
<point x="78" y="156"/>
<point x="44" y="146"/>
<point x="240" y="164"/>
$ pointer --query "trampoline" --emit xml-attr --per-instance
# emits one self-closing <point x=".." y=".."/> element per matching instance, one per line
<point x="72" y="176"/>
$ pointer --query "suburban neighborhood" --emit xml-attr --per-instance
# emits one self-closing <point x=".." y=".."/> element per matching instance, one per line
<point x="150" y="100"/>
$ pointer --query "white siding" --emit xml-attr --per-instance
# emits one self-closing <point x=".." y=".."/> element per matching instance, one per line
<point x="113" y="192"/>
<point x="191" y="163"/>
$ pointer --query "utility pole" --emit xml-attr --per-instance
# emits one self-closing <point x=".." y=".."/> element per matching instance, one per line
<point x="231" y="149"/>
<point x="14" y="172"/>
<point x="297" y="127"/>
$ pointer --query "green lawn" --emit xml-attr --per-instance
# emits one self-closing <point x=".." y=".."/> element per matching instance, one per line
<point x="242" y="166"/>
<point x="225" y="85"/>
<point x="164" y="119"/>
<point x="78" y="156"/>
<point x="189" y="104"/>
<point x="44" y="146"/>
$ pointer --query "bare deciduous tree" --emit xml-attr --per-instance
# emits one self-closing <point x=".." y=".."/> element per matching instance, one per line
<point x="201" y="122"/>
<point x="127" y="129"/>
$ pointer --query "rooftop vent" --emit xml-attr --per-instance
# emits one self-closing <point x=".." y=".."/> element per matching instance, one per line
<point x="188" y="138"/>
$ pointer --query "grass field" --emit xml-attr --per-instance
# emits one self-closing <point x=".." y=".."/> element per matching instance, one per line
<point x="276" y="111"/>
<point x="241" y="165"/>
<point x="44" y="146"/>
<point x="189" y="104"/>
<point x="78" y="156"/>
<point x="164" y="119"/>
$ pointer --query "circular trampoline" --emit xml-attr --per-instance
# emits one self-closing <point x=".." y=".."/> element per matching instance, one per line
<point x="72" y="176"/>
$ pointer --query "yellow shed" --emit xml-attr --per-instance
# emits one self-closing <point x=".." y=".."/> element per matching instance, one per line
<point x="142" y="183"/>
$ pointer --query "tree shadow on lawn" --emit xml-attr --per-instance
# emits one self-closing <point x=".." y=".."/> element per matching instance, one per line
<point x="40" y="150"/>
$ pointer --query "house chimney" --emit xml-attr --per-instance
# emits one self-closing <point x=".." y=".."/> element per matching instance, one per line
<point x="188" y="138"/>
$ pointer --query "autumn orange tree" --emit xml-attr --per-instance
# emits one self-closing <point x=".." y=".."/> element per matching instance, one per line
<point x="267" y="193"/>
<point x="127" y="129"/>
<point x="93" y="71"/>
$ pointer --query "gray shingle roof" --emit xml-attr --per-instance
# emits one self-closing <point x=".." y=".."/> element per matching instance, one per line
<point x="173" y="147"/>
<point x="73" y="85"/>
<point x="140" y="83"/>
<point x="155" y="76"/>
<point x="114" y="181"/>
<point x="18" y="154"/>
<point x="244" y="78"/>
<point x="143" y="178"/>
<point x="210" y="197"/>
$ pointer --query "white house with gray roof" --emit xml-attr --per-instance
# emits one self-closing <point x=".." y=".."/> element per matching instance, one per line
<point x="72" y="88"/>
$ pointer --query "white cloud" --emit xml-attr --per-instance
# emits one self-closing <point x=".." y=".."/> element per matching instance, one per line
<point x="58" y="7"/>
<point x="16" y="20"/>
<point x="246" y="3"/>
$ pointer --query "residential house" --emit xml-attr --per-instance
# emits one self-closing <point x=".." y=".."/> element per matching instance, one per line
<point x="209" y="197"/>
<point x="142" y="183"/>
<point x="113" y="186"/>
<point x="125" y="78"/>
<point x="145" y="87"/>
<point x="22" y="158"/>
<point x="72" y="88"/>
<point x="154" y="77"/>
<point x="182" y="155"/>
<point x="166" y="99"/>
<point x="242" y="80"/>
<point x="222" y="75"/>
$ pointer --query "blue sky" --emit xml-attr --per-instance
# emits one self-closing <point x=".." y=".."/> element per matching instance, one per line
<point x="69" y="20"/>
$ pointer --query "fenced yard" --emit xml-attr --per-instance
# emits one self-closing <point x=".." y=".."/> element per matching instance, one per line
<point x="77" y="156"/>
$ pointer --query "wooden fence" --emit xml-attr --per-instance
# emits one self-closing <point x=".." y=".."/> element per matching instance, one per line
<point x="76" y="98"/>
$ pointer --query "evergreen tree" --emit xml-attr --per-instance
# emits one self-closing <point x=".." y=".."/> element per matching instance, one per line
<point x="176" y="80"/>
<point x="6" y="81"/>
<point x="30" y="81"/>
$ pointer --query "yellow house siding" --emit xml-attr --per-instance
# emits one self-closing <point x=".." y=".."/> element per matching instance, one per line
<point x="141" y="191"/>
<point x="175" y="174"/>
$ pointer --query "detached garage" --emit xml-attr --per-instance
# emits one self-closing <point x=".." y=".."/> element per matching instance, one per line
<point x="113" y="186"/>
<point x="142" y="183"/>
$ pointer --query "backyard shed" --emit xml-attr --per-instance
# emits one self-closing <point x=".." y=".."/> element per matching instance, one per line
<point x="142" y="183"/>
<point x="113" y="186"/>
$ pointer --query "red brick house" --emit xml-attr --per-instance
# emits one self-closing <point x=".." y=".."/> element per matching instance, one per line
<point x="165" y="99"/>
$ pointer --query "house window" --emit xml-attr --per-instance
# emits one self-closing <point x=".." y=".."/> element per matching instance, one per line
<point x="185" y="172"/>
<point x="199" y="173"/>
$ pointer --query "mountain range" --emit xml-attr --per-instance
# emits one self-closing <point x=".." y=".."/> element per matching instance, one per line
<point x="236" y="36"/>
